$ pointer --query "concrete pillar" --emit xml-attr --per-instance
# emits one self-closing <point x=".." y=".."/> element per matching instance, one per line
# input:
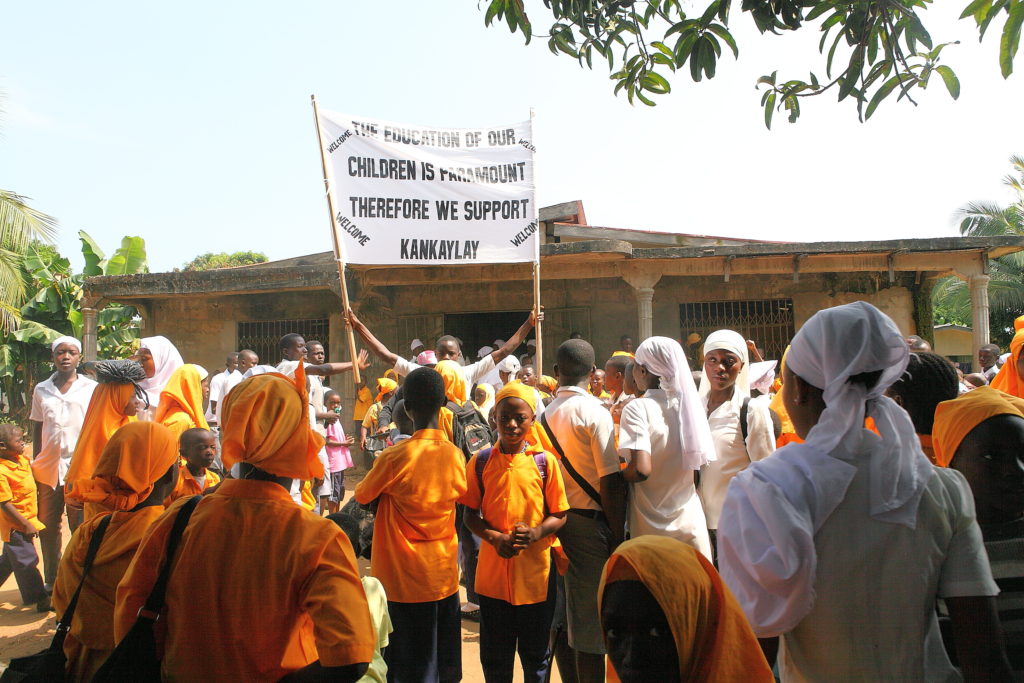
<point x="642" y="282"/>
<point x="90" y="343"/>
<point x="979" y="311"/>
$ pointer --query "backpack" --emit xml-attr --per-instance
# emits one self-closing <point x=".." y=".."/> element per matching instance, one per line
<point x="469" y="429"/>
<point x="540" y="459"/>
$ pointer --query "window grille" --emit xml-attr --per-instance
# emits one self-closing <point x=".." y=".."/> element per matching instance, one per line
<point x="769" y="322"/>
<point x="264" y="336"/>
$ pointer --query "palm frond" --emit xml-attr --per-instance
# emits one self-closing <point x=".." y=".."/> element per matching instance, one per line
<point x="20" y="223"/>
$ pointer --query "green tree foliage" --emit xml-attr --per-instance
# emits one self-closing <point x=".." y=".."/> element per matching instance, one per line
<point x="52" y="306"/>
<point x="871" y="48"/>
<point x="20" y="224"/>
<point x="952" y="297"/>
<point x="223" y="259"/>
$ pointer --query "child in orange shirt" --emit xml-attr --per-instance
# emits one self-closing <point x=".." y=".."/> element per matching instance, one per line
<point x="516" y="503"/>
<point x="198" y="448"/>
<point x="415" y="552"/>
<point x="19" y="521"/>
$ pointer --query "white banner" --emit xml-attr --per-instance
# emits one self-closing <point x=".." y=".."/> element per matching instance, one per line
<point x="406" y="194"/>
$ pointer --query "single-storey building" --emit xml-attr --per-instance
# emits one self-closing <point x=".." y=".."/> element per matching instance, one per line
<point x="601" y="282"/>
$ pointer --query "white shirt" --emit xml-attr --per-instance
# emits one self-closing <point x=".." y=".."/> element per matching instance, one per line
<point x="585" y="432"/>
<point x="62" y="416"/>
<point x="220" y="385"/>
<point x="873" y="616"/>
<point x="666" y="504"/>
<point x="733" y="455"/>
<point x="473" y="373"/>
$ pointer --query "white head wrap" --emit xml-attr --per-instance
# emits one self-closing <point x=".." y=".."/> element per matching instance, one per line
<point x="166" y="360"/>
<point x="203" y="372"/>
<point x="498" y="343"/>
<point x="65" y="340"/>
<point x="510" y="364"/>
<point x="776" y="506"/>
<point x="664" y="357"/>
<point x="484" y="351"/>
<point x="416" y="343"/>
<point x="762" y="375"/>
<point x="531" y="342"/>
<point x="734" y="343"/>
<point x="260" y="370"/>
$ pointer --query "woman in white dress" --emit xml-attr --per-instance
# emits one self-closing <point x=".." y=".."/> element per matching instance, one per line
<point x="740" y="428"/>
<point x="664" y="438"/>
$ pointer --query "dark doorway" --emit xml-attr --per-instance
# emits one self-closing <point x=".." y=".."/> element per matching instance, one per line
<point x="481" y="329"/>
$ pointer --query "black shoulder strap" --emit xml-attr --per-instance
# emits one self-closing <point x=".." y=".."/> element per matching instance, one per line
<point x="576" y="476"/>
<point x="64" y="623"/>
<point x="155" y="601"/>
<point x="743" y="419"/>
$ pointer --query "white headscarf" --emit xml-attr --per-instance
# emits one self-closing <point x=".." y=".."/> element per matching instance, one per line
<point x="762" y="375"/>
<point x="166" y="360"/>
<point x="65" y="340"/>
<point x="261" y="370"/>
<point x="733" y="342"/>
<point x="776" y="506"/>
<point x="510" y="365"/>
<point x="664" y="358"/>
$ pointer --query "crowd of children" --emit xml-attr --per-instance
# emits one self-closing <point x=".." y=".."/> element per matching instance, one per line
<point x="587" y="512"/>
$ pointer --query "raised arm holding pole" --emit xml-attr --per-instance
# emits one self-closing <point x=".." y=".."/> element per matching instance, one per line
<point x="336" y="240"/>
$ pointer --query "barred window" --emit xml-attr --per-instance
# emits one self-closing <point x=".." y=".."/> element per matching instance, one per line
<point x="264" y="336"/>
<point x="769" y="322"/>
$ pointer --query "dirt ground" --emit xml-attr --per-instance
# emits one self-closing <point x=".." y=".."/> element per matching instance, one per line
<point x="23" y="631"/>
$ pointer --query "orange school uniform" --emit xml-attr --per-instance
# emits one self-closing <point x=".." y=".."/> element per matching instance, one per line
<point x="18" y="486"/>
<point x="513" y="491"/>
<point x="91" y="638"/>
<point x="187" y="485"/>
<point x="293" y="594"/>
<point x="415" y="551"/>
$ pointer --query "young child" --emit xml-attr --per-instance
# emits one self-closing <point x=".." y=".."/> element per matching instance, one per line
<point x="339" y="458"/>
<point x="19" y="521"/>
<point x="516" y="503"/>
<point x="415" y="551"/>
<point x="376" y="598"/>
<point x="198" y="448"/>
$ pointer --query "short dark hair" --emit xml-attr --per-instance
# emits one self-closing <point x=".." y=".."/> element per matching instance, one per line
<point x="233" y="355"/>
<point x="575" y="358"/>
<point x="401" y="418"/>
<point x="929" y="380"/>
<point x="618" y="363"/>
<point x="624" y="337"/>
<point x="448" y="338"/>
<point x="189" y="434"/>
<point x="423" y="390"/>
<point x="8" y="431"/>
<point x="330" y="392"/>
<point x="310" y="342"/>
<point x="575" y="335"/>
<point x="289" y="339"/>
<point x="991" y="348"/>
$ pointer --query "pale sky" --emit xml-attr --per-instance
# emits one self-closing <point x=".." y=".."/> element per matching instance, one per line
<point x="189" y="124"/>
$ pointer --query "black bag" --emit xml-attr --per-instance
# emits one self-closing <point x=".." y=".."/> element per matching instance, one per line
<point x="469" y="429"/>
<point x="135" y="658"/>
<point x="49" y="664"/>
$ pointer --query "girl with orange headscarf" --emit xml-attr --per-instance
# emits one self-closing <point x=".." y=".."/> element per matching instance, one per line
<point x="181" y="401"/>
<point x="668" y="616"/>
<point x="137" y="470"/>
<point x="1010" y="378"/>
<point x="114" y="404"/>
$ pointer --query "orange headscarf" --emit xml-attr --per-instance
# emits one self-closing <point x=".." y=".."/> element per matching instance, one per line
<point x="714" y="641"/>
<point x="1018" y="323"/>
<point x="135" y="457"/>
<point x="454" y="381"/>
<point x="183" y="393"/>
<point x="623" y="353"/>
<point x="548" y="383"/>
<point x="385" y="386"/>
<point x="266" y="424"/>
<point x="1007" y="380"/>
<point x="391" y="374"/>
<point x="955" y="419"/>
<point x="104" y="416"/>
<point x="518" y="390"/>
<point x="788" y="434"/>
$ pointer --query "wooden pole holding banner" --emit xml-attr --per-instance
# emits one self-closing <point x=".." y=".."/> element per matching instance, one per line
<point x="336" y="238"/>
<point x="538" y="358"/>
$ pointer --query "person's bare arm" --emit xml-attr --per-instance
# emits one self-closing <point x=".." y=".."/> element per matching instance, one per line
<point x="337" y="368"/>
<point x="17" y="520"/>
<point x="755" y="355"/>
<point x="502" y="542"/>
<point x="613" y="500"/>
<point x="979" y="639"/>
<point x="375" y="345"/>
<point x="521" y="538"/>
<point x="516" y="339"/>
<point x="37" y="438"/>
<point x="639" y="467"/>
